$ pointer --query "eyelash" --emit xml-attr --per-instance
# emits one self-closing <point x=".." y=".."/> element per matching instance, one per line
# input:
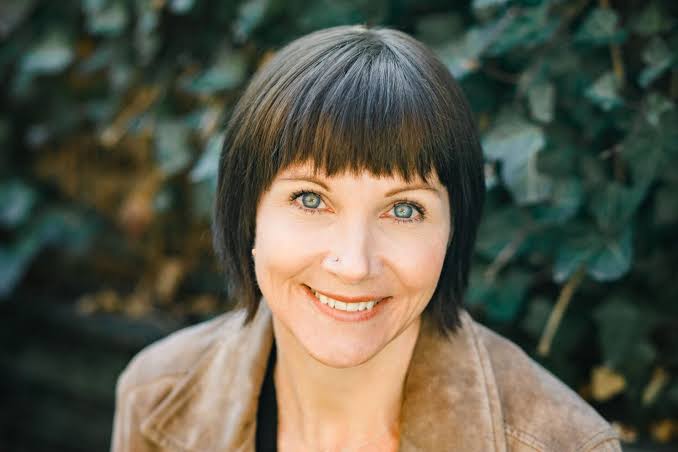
<point x="416" y="205"/>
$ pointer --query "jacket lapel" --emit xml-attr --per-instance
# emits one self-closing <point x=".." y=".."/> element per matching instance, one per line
<point x="450" y="397"/>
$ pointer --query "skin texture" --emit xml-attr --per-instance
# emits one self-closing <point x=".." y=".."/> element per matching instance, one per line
<point x="340" y="384"/>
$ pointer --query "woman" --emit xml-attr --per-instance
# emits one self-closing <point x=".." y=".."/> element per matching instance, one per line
<point x="350" y="191"/>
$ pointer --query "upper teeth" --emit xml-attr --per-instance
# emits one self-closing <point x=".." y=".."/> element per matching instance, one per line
<point x="336" y="304"/>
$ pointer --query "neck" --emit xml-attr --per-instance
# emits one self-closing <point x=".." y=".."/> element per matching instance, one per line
<point x="326" y="408"/>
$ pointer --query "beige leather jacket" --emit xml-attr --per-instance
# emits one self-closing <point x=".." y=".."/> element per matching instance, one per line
<point x="197" y="390"/>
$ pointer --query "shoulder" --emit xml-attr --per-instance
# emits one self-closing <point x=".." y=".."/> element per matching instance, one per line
<point x="176" y="354"/>
<point x="540" y="412"/>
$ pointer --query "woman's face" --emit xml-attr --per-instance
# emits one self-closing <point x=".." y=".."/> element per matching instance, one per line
<point x="390" y="239"/>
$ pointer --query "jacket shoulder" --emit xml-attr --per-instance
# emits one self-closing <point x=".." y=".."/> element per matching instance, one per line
<point x="176" y="354"/>
<point x="540" y="412"/>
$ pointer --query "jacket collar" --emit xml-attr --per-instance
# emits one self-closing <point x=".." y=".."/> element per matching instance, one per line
<point x="450" y="395"/>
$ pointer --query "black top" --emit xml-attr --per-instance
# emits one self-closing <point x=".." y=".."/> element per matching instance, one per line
<point x="267" y="410"/>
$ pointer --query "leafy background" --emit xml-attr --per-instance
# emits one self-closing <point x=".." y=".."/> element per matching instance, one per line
<point x="111" y="117"/>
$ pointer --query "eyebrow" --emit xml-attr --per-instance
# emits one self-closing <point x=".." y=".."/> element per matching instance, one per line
<point x="388" y="194"/>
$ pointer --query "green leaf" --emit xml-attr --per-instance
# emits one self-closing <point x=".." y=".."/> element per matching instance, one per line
<point x="16" y="201"/>
<point x="110" y="20"/>
<point x="483" y="7"/>
<point x="655" y="106"/>
<point x="647" y="147"/>
<point x="666" y="207"/>
<point x="227" y="72"/>
<point x="512" y="135"/>
<point x="563" y="204"/>
<point x="652" y="19"/>
<point x="529" y="28"/>
<point x="462" y="55"/>
<point x="605" y="92"/>
<point x="181" y="6"/>
<point x="600" y="27"/>
<point x="146" y="37"/>
<point x="435" y="29"/>
<point x="607" y="257"/>
<point x="498" y="228"/>
<point x="14" y="261"/>
<point x="54" y="226"/>
<point x="541" y="99"/>
<point x="613" y="206"/>
<point x="207" y="166"/>
<point x="613" y="258"/>
<point x="501" y="299"/>
<point x="172" y="148"/>
<point x="50" y="55"/>
<point x="624" y="330"/>
<point x="515" y="142"/>
<point x="537" y="315"/>
<point x="12" y="14"/>
<point x="658" y="58"/>
<point x="251" y="13"/>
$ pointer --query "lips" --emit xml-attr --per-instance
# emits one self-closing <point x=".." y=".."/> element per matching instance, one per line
<point x="345" y="315"/>
<point x="359" y="299"/>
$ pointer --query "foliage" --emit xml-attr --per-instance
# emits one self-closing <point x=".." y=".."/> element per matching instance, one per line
<point x="111" y="121"/>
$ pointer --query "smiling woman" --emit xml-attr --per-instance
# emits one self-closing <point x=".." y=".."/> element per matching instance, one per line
<point x="350" y="192"/>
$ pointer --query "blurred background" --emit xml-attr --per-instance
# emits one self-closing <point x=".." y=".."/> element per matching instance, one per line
<point x="111" y="121"/>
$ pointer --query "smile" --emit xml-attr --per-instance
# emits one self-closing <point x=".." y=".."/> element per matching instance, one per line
<point x="342" y="306"/>
<point x="347" y="309"/>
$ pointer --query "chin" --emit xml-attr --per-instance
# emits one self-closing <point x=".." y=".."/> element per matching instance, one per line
<point x="341" y="359"/>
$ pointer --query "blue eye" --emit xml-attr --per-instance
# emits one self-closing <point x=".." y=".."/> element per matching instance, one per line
<point x="310" y="200"/>
<point x="404" y="209"/>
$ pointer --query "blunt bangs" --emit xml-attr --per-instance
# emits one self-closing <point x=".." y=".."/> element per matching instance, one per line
<point x="350" y="98"/>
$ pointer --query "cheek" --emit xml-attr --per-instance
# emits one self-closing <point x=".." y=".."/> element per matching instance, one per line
<point x="418" y="262"/>
<point x="283" y="248"/>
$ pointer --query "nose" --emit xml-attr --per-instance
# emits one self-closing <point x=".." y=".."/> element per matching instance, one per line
<point x="352" y="245"/>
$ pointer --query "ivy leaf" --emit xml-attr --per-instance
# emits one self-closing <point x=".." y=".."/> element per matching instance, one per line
<point x="624" y="329"/>
<point x="435" y="29"/>
<point x="605" y="92"/>
<point x="600" y="27"/>
<point x="16" y="201"/>
<point x="658" y="58"/>
<point x="498" y="229"/>
<point x="50" y="55"/>
<point x="652" y="20"/>
<point x="181" y="6"/>
<point x="462" y="55"/>
<point x="541" y="100"/>
<point x="563" y="204"/>
<point x="607" y="257"/>
<point x="12" y="14"/>
<point x="172" y="149"/>
<point x="109" y="20"/>
<point x="647" y="147"/>
<point x="250" y="14"/>
<point x="527" y="29"/>
<point x="515" y="143"/>
<point x="501" y="299"/>
<point x="613" y="257"/>
<point x="613" y="205"/>
<point x="14" y="260"/>
<point x="227" y="72"/>
<point x="207" y="166"/>
<point x="55" y="226"/>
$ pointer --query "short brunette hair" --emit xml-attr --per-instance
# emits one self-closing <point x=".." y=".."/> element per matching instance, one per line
<point x="350" y="98"/>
